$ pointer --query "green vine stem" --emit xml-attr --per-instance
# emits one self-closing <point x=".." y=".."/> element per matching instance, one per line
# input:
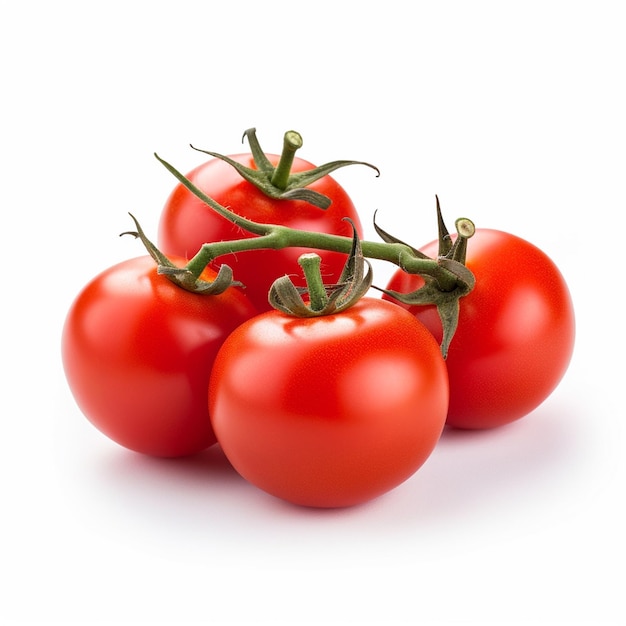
<point x="274" y="236"/>
<point x="446" y="277"/>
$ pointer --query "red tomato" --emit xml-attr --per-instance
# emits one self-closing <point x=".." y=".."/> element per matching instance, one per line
<point x="516" y="329"/>
<point x="138" y="351"/>
<point x="186" y="223"/>
<point x="329" y="411"/>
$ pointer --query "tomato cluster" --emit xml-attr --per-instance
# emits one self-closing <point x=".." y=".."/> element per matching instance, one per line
<point x="317" y="392"/>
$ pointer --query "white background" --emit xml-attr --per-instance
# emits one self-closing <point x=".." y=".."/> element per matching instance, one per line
<point x="513" y="112"/>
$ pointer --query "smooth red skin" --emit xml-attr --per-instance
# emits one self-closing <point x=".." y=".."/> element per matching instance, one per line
<point x="138" y="352"/>
<point x="516" y="330"/>
<point x="329" y="411"/>
<point x="187" y="223"/>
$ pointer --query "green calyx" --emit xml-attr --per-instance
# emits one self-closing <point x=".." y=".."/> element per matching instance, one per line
<point x="182" y="276"/>
<point x="322" y="299"/>
<point x="278" y="181"/>
<point x="451" y="256"/>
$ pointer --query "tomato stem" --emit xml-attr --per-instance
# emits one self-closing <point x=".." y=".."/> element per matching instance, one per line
<point x="446" y="279"/>
<point x="277" y="237"/>
<point x="291" y="143"/>
<point x="311" y="264"/>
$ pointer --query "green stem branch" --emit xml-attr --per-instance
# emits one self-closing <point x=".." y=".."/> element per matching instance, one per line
<point x="276" y="237"/>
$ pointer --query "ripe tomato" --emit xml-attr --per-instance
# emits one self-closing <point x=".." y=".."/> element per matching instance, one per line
<point x="186" y="223"/>
<point x="516" y="329"/>
<point x="329" y="411"/>
<point x="137" y="352"/>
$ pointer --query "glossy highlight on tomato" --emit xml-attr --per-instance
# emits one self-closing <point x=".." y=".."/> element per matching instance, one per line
<point x="187" y="223"/>
<point x="137" y="352"/>
<point x="329" y="411"/>
<point x="516" y="330"/>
